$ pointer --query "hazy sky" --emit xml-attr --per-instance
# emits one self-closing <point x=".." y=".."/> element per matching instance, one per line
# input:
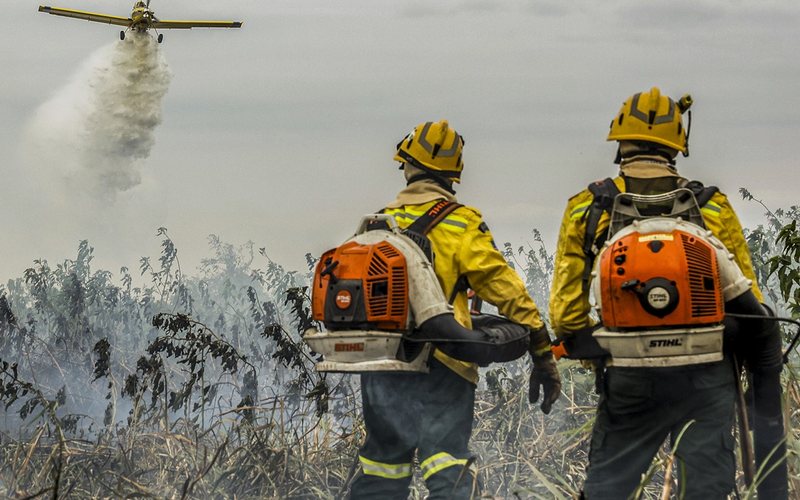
<point x="283" y="132"/>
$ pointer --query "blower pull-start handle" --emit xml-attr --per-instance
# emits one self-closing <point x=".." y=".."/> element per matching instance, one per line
<point x="329" y="267"/>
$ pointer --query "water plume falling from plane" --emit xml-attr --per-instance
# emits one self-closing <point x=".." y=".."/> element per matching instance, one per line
<point x="95" y="132"/>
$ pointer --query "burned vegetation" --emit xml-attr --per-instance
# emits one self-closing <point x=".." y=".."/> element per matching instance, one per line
<point x="158" y="384"/>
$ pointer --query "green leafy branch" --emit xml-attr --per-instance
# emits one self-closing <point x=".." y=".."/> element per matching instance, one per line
<point x="295" y="354"/>
<point x="786" y="266"/>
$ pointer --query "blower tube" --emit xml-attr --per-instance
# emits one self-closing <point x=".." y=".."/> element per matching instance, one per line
<point x="756" y="339"/>
<point x="492" y="339"/>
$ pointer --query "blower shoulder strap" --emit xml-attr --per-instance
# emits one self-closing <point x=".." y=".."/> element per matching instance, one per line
<point x="425" y="222"/>
<point x="603" y="193"/>
<point x="432" y="217"/>
<point x="702" y="193"/>
<point x="419" y="229"/>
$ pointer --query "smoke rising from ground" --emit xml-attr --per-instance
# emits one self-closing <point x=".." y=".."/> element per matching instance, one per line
<point x="95" y="131"/>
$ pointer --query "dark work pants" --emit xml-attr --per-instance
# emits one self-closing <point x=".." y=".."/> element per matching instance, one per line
<point x="641" y="407"/>
<point x="407" y="412"/>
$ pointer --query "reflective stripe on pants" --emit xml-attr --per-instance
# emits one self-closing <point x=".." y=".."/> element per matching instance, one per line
<point x="437" y="462"/>
<point x="415" y="414"/>
<point x="387" y="471"/>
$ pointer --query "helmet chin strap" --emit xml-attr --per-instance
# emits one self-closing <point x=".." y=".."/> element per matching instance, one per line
<point x="618" y="158"/>
<point x="427" y="173"/>
<point x="438" y="179"/>
<point x="688" y="131"/>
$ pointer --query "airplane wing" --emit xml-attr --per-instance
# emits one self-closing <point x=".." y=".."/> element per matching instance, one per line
<point x="88" y="16"/>
<point x="164" y="24"/>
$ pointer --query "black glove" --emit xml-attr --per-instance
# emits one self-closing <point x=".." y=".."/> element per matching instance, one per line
<point x="544" y="374"/>
<point x="579" y="344"/>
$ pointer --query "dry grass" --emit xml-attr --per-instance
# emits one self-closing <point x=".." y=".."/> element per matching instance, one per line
<point x="287" y="452"/>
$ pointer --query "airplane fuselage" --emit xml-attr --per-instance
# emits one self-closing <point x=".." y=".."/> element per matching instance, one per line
<point x="141" y="19"/>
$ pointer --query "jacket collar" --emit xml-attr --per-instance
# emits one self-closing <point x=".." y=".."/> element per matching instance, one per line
<point x="421" y="192"/>
<point x="647" y="167"/>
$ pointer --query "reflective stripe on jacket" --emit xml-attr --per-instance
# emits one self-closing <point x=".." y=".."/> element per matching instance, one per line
<point x="463" y="247"/>
<point x="569" y="302"/>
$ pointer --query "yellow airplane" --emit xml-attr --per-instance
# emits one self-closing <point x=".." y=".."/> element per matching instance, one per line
<point x="141" y="20"/>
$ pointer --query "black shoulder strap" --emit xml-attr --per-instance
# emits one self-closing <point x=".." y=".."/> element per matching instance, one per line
<point x="425" y="222"/>
<point x="432" y="217"/>
<point x="702" y="193"/>
<point x="419" y="229"/>
<point x="603" y="193"/>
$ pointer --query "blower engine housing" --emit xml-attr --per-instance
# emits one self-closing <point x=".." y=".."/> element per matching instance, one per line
<point x="362" y="286"/>
<point x="660" y="280"/>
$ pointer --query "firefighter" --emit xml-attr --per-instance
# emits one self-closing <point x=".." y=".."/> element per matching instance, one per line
<point x="640" y="407"/>
<point x="429" y="416"/>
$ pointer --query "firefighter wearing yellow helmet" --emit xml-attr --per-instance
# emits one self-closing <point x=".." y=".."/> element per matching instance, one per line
<point x="640" y="407"/>
<point x="430" y="415"/>
<point x="651" y="117"/>
<point x="436" y="150"/>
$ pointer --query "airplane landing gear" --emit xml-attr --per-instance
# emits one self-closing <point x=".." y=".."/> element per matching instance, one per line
<point x="122" y="35"/>
<point x="160" y="37"/>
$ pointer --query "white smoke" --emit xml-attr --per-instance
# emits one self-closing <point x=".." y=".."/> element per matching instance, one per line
<point x="94" y="132"/>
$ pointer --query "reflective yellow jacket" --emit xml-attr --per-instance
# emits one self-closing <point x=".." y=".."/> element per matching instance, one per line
<point x="463" y="246"/>
<point x="569" y="303"/>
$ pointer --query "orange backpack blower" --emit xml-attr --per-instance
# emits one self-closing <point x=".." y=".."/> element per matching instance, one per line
<point x="658" y="283"/>
<point x="383" y="308"/>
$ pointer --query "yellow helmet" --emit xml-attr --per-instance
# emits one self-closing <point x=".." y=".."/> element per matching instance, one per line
<point x="433" y="146"/>
<point x="649" y="116"/>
